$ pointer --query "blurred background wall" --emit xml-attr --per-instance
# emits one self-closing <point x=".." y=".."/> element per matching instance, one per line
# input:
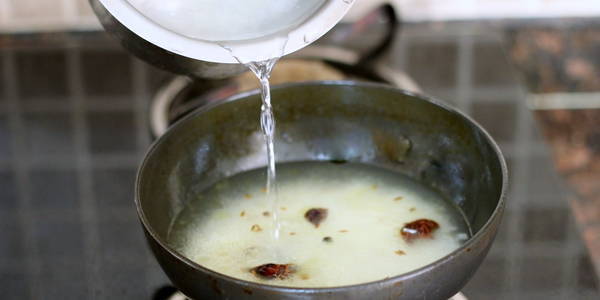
<point x="52" y="15"/>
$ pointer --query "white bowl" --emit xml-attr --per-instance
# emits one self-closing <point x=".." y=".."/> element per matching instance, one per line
<point x="329" y="14"/>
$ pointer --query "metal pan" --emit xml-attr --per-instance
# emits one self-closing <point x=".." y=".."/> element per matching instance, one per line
<point x="365" y="123"/>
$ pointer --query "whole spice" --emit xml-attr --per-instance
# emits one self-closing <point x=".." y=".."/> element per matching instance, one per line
<point x="316" y="215"/>
<point x="272" y="271"/>
<point x="421" y="228"/>
<point x="327" y="239"/>
<point x="256" y="228"/>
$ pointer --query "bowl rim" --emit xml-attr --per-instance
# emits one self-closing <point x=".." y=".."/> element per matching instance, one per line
<point x="327" y="15"/>
<point x="496" y="214"/>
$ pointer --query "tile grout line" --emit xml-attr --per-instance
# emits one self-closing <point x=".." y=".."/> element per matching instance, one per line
<point x="65" y="107"/>
<point x="65" y="162"/>
<point x="572" y="251"/>
<point x="400" y="47"/>
<point x="89" y="219"/>
<point x="490" y="94"/>
<point x="464" y="73"/>
<point x="141" y="98"/>
<point x="521" y="164"/>
<point x="20" y="165"/>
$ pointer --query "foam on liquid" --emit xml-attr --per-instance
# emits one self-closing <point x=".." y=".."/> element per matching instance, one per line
<point x="227" y="20"/>
<point x="364" y="222"/>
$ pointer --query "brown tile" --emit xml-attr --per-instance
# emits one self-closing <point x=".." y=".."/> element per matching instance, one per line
<point x="586" y="210"/>
<point x="14" y="285"/>
<point x="544" y="225"/>
<point x="125" y="281"/>
<point x="585" y="182"/>
<point x="8" y="192"/>
<point x="591" y="236"/>
<point x="112" y="133"/>
<point x="114" y="188"/>
<point x="5" y="139"/>
<point x="36" y="9"/>
<point x="106" y="73"/>
<point x="11" y="235"/>
<point x="59" y="238"/>
<point x="49" y="134"/>
<point x="490" y="67"/>
<point x="42" y="75"/>
<point x="52" y="190"/>
<point x="120" y="239"/>
<point x="573" y="137"/>
<point x="543" y="180"/>
<point x="433" y="65"/>
<point x="2" y="87"/>
<point x="586" y="275"/>
<point x="541" y="274"/>
<point x="490" y="278"/>
<point x="498" y="118"/>
<point x="62" y="278"/>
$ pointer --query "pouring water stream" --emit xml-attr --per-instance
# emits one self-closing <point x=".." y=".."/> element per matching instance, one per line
<point x="262" y="70"/>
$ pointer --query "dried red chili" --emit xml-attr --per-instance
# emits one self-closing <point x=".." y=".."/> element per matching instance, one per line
<point x="316" y="215"/>
<point x="273" y="271"/>
<point x="422" y="228"/>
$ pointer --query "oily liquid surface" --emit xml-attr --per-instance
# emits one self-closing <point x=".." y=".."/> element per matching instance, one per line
<point x="227" y="229"/>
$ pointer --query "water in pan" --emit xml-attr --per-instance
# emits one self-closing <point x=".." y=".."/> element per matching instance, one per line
<point x="340" y="225"/>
